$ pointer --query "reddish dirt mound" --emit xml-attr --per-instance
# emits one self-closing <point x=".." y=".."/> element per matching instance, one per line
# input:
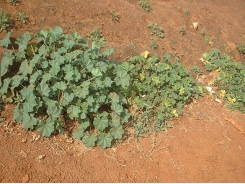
<point x="206" y="145"/>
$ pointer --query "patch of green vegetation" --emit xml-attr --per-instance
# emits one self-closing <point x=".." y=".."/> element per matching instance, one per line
<point x="203" y="32"/>
<point x="97" y="37"/>
<point x="159" y="90"/>
<point x="22" y="17"/>
<point x="241" y="48"/>
<point x="4" y="20"/>
<point x="115" y="15"/>
<point x="182" y="30"/>
<point x="59" y="77"/>
<point x="157" y="30"/>
<point x="231" y="80"/>
<point x="145" y="5"/>
<point x="153" y="44"/>
<point x="13" y="2"/>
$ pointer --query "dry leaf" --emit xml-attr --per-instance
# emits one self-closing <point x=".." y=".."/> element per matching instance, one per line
<point x="25" y="179"/>
<point x="23" y="153"/>
<point x="40" y="157"/>
<point x="218" y="100"/>
<point x="195" y="25"/>
<point x="236" y="125"/>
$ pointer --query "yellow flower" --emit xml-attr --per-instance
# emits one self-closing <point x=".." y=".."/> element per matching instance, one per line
<point x="231" y="99"/>
<point x="145" y="54"/>
<point x="222" y="93"/>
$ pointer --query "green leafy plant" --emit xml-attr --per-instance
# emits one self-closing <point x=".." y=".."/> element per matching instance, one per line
<point x="58" y="77"/>
<point x="160" y="89"/>
<point x="5" y="21"/>
<point x="182" y="30"/>
<point x="153" y="44"/>
<point x="97" y="37"/>
<point x="13" y="2"/>
<point x="115" y="15"/>
<point x="197" y="70"/>
<point x="231" y="80"/>
<point x="145" y="5"/>
<point x="187" y="12"/>
<point x="157" y="30"/>
<point x="241" y="48"/>
<point x="22" y="17"/>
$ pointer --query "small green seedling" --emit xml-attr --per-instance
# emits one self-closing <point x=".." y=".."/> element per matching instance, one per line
<point x="4" y="20"/>
<point x="197" y="70"/>
<point x="97" y="37"/>
<point x="182" y="30"/>
<point x="153" y="44"/>
<point x="241" y="48"/>
<point x="157" y="30"/>
<point x="145" y="5"/>
<point x="187" y="12"/>
<point x="22" y="17"/>
<point x="13" y="2"/>
<point x="115" y="15"/>
<point x="133" y="44"/>
<point x="203" y="32"/>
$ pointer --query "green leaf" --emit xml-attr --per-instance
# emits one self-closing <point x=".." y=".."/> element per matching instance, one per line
<point x="89" y="139"/>
<point x="16" y="80"/>
<point x="108" y="82"/>
<point x="114" y="97"/>
<point x="116" y="119"/>
<point x="29" y="121"/>
<point x="96" y="72"/>
<point x="46" y="128"/>
<point x="54" y="111"/>
<point x="18" y="114"/>
<point x="79" y="133"/>
<point x="117" y="108"/>
<point x="60" y="85"/>
<point x="104" y="140"/>
<point x="101" y="122"/>
<point x="108" y="52"/>
<point x="6" y="41"/>
<point x="35" y="76"/>
<point x="5" y="86"/>
<point x="23" y="40"/>
<point x="122" y="78"/>
<point x="73" y="111"/>
<point x="117" y="132"/>
<point x="43" y="89"/>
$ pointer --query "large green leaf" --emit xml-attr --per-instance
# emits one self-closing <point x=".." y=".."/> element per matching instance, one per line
<point x="116" y="119"/>
<point x="18" y="114"/>
<point x="117" y="132"/>
<point x="29" y="121"/>
<point x="73" y="111"/>
<point x="46" y="128"/>
<point x="104" y="140"/>
<point x="5" y="86"/>
<point x="89" y="139"/>
<point x="60" y="85"/>
<point x="43" y="89"/>
<point x="23" y="40"/>
<point x="54" y="111"/>
<point x="114" y="97"/>
<point x="117" y="108"/>
<point x="122" y="78"/>
<point x="101" y="122"/>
